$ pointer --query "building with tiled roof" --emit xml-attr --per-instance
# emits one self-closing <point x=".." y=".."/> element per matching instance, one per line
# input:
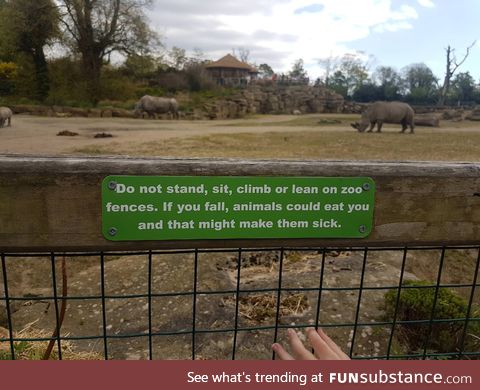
<point x="229" y="71"/>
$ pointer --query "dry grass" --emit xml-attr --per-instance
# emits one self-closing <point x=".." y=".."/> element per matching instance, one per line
<point x="34" y="350"/>
<point x="261" y="308"/>
<point x="308" y="120"/>
<point x="319" y="145"/>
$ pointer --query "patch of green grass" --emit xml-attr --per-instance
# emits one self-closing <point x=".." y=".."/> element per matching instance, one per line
<point x="416" y="304"/>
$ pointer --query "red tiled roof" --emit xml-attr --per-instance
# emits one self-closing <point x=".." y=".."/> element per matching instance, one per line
<point x="230" y="61"/>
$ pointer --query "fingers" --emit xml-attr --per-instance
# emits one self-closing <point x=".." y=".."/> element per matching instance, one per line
<point x="298" y="349"/>
<point x="324" y="347"/>
<point x="331" y="344"/>
<point x="299" y="352"/>
<point x="281" y="353"/>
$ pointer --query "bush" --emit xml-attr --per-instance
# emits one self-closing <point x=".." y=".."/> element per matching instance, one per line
<point x="416" y="304"/>
<point x="8" y="73"/>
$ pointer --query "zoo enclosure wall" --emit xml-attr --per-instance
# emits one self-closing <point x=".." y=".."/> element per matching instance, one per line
<point x="51" y="208"/>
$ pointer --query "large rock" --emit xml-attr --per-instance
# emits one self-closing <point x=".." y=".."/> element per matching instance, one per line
<point x="275" y="99"/>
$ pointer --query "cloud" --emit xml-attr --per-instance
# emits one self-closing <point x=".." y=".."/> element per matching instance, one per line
<point x="278" y="32"/>
<point x="310" y="8"/>
<point x="426" y="3"/>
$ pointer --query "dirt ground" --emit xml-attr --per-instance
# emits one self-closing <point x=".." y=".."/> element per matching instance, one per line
<point x="289" y="137"/>
<point x="316" y="136"/>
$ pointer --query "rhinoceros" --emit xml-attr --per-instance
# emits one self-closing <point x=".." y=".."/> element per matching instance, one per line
<point x="153" y="105"/>
<point x="5" y="116"/>
<point x="379" y="113"/>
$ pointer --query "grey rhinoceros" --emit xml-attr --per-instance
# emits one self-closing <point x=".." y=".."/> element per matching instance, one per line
<point x="379" y="113"/>
<point x="153" y="105"/>
<point x="5" y="116"/>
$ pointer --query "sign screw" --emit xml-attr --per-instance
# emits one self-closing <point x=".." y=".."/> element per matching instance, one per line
<point x="112" y="185"/>
<point x="113" y="231"/>
<point x="366" y="186"/>
<point x="362" y="229"/>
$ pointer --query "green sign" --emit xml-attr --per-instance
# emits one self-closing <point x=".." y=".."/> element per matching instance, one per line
<point x="216" y="207"/>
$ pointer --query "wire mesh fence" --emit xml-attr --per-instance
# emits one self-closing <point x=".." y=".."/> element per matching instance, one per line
<point x="376" y="303"/>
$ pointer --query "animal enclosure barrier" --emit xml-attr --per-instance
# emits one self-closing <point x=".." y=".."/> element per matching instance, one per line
<point x="409" y="289"/>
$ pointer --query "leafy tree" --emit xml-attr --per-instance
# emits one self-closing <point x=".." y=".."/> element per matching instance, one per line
<point x="345" y="74"/>
<point x="8" y="72"/>
<point x="265" y="70"/>
<point x="28" y="26"/>
<point x="463" y="87"/>
<point x="97" y="28"/>
<point x="338" y="83"/>
<point x="389" y="81"/>
<point x="421" y="83"/>
<point x="298" y="72"/>
<point x="140" y="68"/>
<point x="355" y="71"/>
<point x="178" y="58"/>
<point x="368" y="92"/>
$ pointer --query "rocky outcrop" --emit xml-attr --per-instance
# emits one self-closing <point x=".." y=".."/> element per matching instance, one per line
<point x="275" y="99"/>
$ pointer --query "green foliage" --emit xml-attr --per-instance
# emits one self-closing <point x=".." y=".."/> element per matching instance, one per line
<point x="140" y="68"/>
<point x="115" y="86"/>
<point x="102" y="28"/>
<point x="368" y="92"/>
<point x="67" y="86"/>
<point x="27" y="27"/>
<point x="198" y="99"/>
<point x="463" y="90"/>
<point x="298" y="71"/>
<point x="265" y="70"/>
<point x="416" y="304"/>
<point x="25" y="79"/>
<point x="421" y="84"/>
<point x="8" y="74"/>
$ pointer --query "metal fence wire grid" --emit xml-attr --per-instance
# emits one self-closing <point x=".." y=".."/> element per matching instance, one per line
<point x="376" y="303"/>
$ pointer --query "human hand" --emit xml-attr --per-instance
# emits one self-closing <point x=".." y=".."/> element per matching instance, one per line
<point x="323" y="346"/>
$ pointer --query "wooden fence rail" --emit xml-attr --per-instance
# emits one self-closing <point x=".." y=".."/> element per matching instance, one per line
<point x="54" y="203"/>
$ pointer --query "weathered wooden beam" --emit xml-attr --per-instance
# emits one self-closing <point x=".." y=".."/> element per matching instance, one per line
<point x="54" y="204"/>
<point x="429" y="120"/>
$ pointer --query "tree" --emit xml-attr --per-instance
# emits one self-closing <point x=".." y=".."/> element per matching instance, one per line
<point x="355" y="71"/>
<point x="243" y="54"/>
<point x="265" y="70"/>
<point x="463" y="87"/>
<point x="421" y="83"/>
<point x="178" y="58"/>
<point x="338" y="83"/>
<point x="389" y="82"/>
<point x="29" y="26"/>
<point x="345" y="74"/>
<point x="368" y="92"/>
<point x="298" y="72"/>
<point x="97" y="28"/>
<point x="329" y="64"/>
<point x="452" y="64"/>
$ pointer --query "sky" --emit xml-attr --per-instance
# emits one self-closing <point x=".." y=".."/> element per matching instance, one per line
<point x="278" y="32"/>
